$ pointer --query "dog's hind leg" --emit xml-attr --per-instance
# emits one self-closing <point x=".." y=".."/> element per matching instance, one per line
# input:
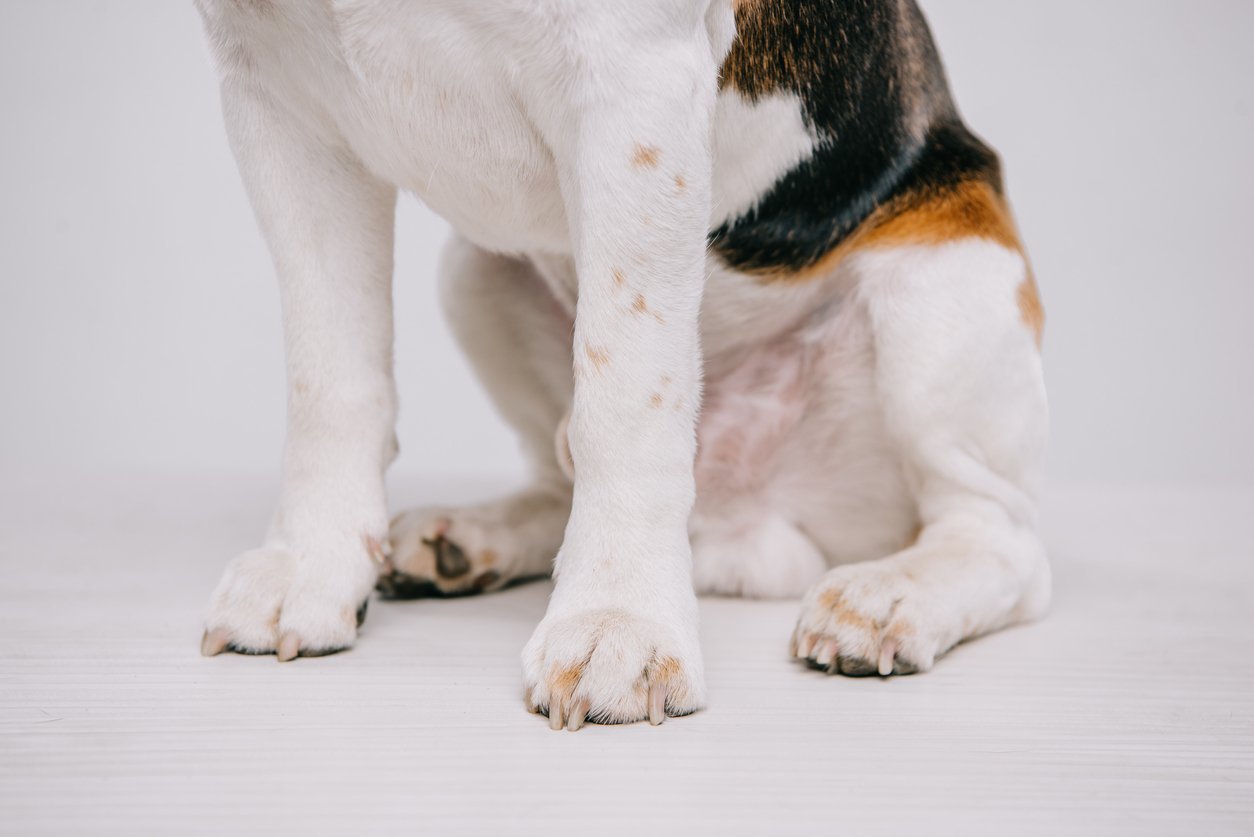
<point x="517" y="337"/>
<point x="958" y="377"/>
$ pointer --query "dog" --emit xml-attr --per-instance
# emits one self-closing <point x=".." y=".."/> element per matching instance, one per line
<point x="738" y="275"/>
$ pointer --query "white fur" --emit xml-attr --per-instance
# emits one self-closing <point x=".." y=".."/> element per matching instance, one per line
<point x="581" y="151"/>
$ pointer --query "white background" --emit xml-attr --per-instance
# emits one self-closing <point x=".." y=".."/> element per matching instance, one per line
<point x="139" y="325"/>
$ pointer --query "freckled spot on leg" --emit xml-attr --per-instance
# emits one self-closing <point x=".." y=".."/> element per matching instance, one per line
<point x="645" y="156"/>
<point x="620" y="279"/>
<point x="640" y="306"/>
<point x="666" y="380"/>
<point x="680" y="183"/>
<point x="300" y="387"/>
<point x="655" y="400"/>
<point x="1030" y="309"/>
<point x="647" y="221"/>
<point x="599" y="357"/>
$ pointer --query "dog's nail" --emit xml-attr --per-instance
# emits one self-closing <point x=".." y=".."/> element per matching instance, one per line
<point x="214" y="642"/>
<point x="657" y="703"/>
<point x="289" y="647"/>
<point x="578" y="713"/>
<point x="888" y="651"/>
<point x="805" y="647"/>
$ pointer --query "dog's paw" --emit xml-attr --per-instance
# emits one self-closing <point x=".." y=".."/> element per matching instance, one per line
<point x="273" y="601"/>
<point x="609" y="666"/>
<point x="444" y="552"/>
<point x="864" y="619"/>
<point x="457" y="552"/>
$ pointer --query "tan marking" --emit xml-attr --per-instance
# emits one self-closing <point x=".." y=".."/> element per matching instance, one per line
<point x="488" y="558"/>
<point x="1030" y="309"/>
<point x="564" y="680"/>
<point x="640" y="306"/>
<point x="970" y="209"/>
<point x="833" y="600"/>
<point x="655" y="400"/>
<point x="599" y="357"/>
<point x="645" y="156"/>
<point x="680" y="183"/>
<point x="666" y="380"/>
<point x="902" y="628"/>
<point x="665" y="668"/>
<point x="619" y="278"/>
<point x="300" y="387"/>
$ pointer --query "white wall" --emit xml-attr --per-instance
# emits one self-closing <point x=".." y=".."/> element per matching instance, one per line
<point x="139" y="322"/>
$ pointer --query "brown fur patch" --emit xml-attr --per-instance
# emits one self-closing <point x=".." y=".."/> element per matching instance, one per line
<point x="665" y="668"/>
<point x="1030" y="309"/>
<point x="834" y="601"/>
<point x="969" y="209"/>
<point x="645" y="156"/>
<point x="680" y="183"/>
<point x="564" y="680"/>
<point x="620" y="279"/>
<point x="655" y="400"/>
<point x="641" y="306"/>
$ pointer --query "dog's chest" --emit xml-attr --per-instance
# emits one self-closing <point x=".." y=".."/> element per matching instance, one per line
<point x="426" y="95"/>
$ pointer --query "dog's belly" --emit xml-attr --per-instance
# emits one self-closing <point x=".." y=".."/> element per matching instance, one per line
<point x="792" y="426"/>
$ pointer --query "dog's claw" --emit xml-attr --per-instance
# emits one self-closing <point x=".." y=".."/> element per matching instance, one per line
<point x="888" y="651"/>
<point x="214" y="642"/>
<point x="657" y="704"/>
<point x="578" y="713"/>
<point x="289" y="647"/>
<point x="805" y="646"/>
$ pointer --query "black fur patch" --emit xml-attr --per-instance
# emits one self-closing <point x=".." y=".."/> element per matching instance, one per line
<point x="874" y="91"/>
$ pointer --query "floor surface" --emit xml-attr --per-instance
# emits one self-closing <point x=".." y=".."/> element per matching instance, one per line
<point x="1130" y="709"/>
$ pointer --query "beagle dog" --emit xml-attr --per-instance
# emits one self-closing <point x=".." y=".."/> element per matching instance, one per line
<point x="736" y="272"/>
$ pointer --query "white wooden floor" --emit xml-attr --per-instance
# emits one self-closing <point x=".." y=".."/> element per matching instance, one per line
<point x="1130" y="710"/>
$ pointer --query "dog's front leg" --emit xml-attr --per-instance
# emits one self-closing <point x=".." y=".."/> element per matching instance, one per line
<point x="329" y="227"/>
<point x="619" y="640"/>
